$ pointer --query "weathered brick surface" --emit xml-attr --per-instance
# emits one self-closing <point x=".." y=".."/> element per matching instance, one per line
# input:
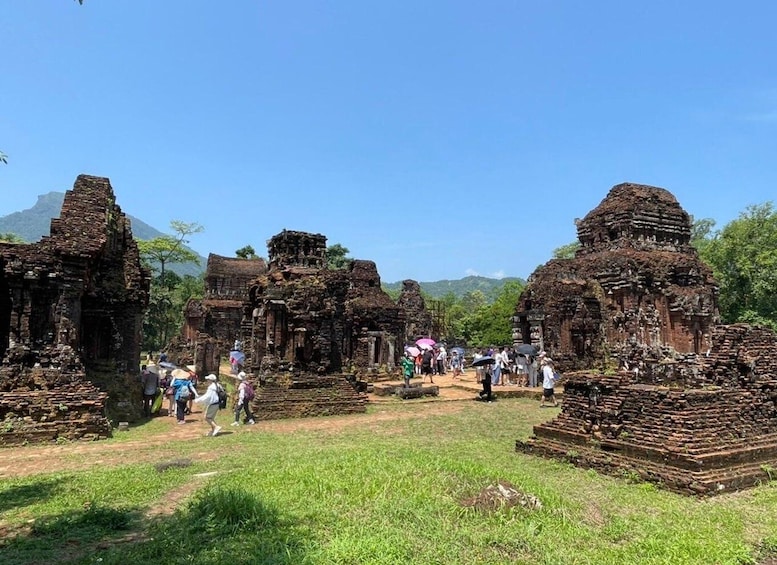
<point x="706" y="426"/>
<point x="307" y="395"/>
<point x="694" y="405"/>
<point x="70" y="320"/>
<point x="636" y="285"/>
<point x="418" y="320"/>
<point x="316" y="322"/>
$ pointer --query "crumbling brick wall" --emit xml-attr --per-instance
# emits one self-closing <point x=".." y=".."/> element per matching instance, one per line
<point x="72" y="304"/>
<point x="702" y="425"/>
<point x="418" y="318"/>
<point x="314" y="322"/>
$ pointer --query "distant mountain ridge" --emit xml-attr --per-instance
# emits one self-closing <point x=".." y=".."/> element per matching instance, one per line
<point x="460" y="287"/>
<point x="34" y="223"/>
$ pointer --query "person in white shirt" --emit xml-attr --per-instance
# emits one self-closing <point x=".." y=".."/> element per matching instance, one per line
<point x="210" y="401"/>
<point x="548" y="381"/>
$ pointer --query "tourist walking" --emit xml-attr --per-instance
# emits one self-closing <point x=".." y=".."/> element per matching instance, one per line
<point x="245" y="394"/>
<point x="548" y="382"/>
<point x="426" y="365"/>
<point x="456" y="364"/>
<point x="496" y="370"/>
<point x="485" y="394"/>
<point x="149" y="384"/>
<point x="503" y="363"/>
<point x="408" y="366"/>
<point x="442" y="357"/>
<point x="210" y="401"/>
<point x="532" y="365"/>
<point x="183" y="392"/>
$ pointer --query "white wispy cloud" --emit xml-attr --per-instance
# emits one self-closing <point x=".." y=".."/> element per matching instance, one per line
<point x="500" y="274"/>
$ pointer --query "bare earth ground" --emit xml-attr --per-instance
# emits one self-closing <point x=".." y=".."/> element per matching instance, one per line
<point x="35" y="459"/>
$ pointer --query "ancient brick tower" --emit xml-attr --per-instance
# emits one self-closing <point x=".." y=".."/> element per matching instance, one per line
<point x="693" y="405"/>
<point x="71" y="310"/>
<point x="635" y="286"/>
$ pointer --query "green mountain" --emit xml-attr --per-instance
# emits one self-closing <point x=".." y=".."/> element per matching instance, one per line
<point x="33" y="223"/>
<point x="460" y="287"/>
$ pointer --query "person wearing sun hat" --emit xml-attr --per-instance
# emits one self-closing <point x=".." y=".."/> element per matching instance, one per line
<point x="210" y="401"/>
<point x="183" y="391"/>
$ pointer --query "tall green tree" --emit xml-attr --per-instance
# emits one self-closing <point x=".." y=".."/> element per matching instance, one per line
<point x="337" y="257"/>
<point x="166" y="301"/>
<point x="163" y="250"/>
<point x="743" y="256"/>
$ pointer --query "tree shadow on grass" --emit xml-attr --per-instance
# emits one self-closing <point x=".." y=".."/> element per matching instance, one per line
<point x="68" y="535"/>
<point x="220" y="525"/>
<point x="18" y="496"/>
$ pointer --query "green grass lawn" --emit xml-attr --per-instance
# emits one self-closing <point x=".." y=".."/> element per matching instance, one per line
<point x="388" y="489"/>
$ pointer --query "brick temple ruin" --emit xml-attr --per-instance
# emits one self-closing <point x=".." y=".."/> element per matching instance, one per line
<point x="71" y="309"/>
<point x="214" y="322"/>
<point x="310" y="325"/>
<point x="308" y="332"/>
<point x="656" y="387"/>
<point x="635" y="284"/>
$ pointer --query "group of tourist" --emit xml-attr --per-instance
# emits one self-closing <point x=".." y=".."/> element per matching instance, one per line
<point x="505" y="366"/>
<point x="179" y="388"/>
<point x="501" y="366"/>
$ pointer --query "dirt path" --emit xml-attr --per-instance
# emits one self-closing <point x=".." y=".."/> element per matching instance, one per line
<point x="48" y="458"/>
<point x="36" y="459"/>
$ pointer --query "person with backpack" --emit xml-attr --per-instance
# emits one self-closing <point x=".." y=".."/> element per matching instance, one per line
<point x="183" y="392"/>
<point x="211" y="401"/>
<point x="245" y="394"/>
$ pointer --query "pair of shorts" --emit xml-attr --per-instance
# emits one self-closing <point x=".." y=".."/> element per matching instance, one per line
<point x="547" y="393"/>
<point x="211" y="411"/>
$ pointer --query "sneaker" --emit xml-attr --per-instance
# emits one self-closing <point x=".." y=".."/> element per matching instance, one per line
<point x="251" y="422"/>
<point x="181" y="422"/>
<point x="216" y="431"/>
<point x="235" y="424"/>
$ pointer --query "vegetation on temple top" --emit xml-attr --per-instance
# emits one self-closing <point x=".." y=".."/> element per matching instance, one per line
<point x="247" y="252"/>
<point x="337" y="257"/>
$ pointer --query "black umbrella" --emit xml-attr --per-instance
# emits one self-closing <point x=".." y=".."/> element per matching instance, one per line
<point x="483" y="361"/>
<point x="527" y="349"/>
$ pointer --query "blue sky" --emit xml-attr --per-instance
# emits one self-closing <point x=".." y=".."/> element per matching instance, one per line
<point x="437" y="138"/>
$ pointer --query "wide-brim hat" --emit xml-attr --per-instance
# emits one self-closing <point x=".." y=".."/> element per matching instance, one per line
<point x="180" y="374"/>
